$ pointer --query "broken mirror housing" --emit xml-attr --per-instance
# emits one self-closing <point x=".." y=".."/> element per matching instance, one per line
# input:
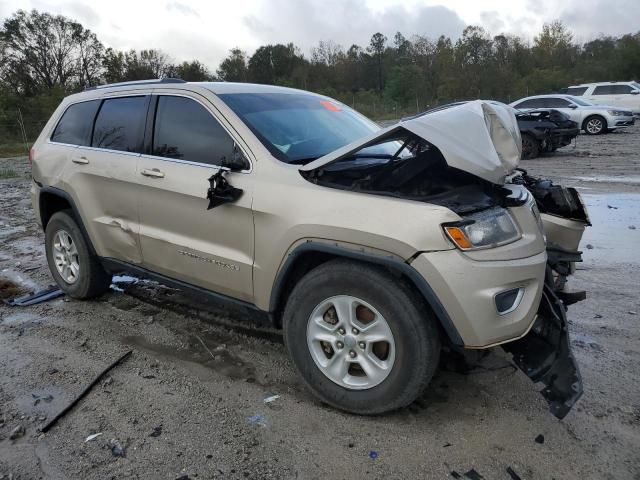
<point x="485" y="229"/>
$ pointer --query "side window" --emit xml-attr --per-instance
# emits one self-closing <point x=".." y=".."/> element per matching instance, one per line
<point x="621" y="89"/>
<point x="120" y="124"/>
<point x="556" y="102"/>
<point x="75" y="125"/>
<point x="184" y="129"/>
<point x="531" y="103"/>
<point x="602" y="90"/>
<point x="577" y="91"/>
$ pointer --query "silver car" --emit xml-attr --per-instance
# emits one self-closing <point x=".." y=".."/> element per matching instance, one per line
<point x="593" y="119"/>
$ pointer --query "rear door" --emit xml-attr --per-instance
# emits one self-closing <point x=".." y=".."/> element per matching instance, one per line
<point x="563" y="105"/>
<point x="180" y="238"/>
<point x="102" y="177"/>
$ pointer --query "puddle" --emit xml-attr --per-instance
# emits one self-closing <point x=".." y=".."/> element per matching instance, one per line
<point x="612" y="239"/>
<point x="46" y="400"/>
<point x="629" y="179"/>
<point x="22" y="318"/>
<point x="216" y="356"/>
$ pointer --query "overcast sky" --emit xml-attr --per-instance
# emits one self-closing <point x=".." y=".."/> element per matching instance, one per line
<point x="206" y="29"/>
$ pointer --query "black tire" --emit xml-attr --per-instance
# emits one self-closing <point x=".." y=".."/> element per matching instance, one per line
<point x="594" y="125"/>
<point x="530" y="147"/>
<point x="415" y="333"/>
<point x="92" y="279"/>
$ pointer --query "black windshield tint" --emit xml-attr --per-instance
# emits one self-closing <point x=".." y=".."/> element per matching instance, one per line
<point x="75" y="125"/>
<point x="298" y="128"/>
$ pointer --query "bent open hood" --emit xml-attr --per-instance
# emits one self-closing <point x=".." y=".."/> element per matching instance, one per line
<point x="478" y="137"/>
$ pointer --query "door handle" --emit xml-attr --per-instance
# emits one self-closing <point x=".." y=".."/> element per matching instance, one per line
<point x="80" y="160"/>
<point x="153" y="172"/>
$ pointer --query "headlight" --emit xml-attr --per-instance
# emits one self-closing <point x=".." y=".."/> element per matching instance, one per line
<point x="486" y="229"/>
<point x="617" y="113"/>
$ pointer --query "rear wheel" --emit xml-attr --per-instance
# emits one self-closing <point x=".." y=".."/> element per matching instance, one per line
<point x="594" y="125"/>
<point x="362" y="340"/>
<point x="78" y="273"/>
<point x="530" y="147"/>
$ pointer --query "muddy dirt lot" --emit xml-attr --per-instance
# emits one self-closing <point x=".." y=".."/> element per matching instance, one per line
<point x="189" y="402"/>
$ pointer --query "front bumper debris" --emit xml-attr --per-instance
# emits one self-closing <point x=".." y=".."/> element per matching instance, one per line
<point x="544" y="355"/>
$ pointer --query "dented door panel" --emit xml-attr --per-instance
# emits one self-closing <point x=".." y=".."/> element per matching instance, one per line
<point x="105" y="182"/>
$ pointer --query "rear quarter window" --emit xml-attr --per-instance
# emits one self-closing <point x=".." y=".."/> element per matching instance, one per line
<point x="120" y="123"/>
<point x="75" y="125"/>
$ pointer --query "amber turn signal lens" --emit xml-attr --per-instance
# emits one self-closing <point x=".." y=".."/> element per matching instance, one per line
<point x="458" y="236"/>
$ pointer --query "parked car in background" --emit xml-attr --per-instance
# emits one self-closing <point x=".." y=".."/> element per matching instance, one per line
<point x="618" y="94"/>
<point x="545" y="130"/>
<point x="593" y="119"/>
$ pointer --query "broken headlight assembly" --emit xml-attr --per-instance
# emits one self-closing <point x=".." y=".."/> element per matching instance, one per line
<point x="486" y="229"/>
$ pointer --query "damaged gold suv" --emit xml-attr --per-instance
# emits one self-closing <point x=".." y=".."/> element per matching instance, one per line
<point x="371" y="248"/>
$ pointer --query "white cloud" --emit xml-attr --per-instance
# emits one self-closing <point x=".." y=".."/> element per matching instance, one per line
<point x="206" y="30"/>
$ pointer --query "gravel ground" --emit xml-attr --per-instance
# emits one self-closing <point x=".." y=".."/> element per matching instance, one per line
<point x="189" y="402"/>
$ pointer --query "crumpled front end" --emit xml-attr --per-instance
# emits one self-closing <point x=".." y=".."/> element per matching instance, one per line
<point x="544" y="355"/>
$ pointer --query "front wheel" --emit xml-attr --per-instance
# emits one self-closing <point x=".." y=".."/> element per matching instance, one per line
<point x="363" y="340"/>
<point x="594" y="125"/>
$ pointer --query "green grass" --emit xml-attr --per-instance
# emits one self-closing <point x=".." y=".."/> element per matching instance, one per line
<point x="8" y="173"/>
<point x="16" y="149"/>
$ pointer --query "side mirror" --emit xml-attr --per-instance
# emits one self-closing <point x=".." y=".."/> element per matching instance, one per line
<point x="573" y="106"/>
<point x="236" y="162"/>
<point x="634" y="92"/>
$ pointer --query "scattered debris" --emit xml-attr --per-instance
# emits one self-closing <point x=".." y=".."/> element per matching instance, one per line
<point x="157" y="431"/>
<point x="597" y="315"/>
<point x="540" y="439"/>
<point x="46" y="428"/>
<point x="17" y="432"/>
<point x="52" y="371"/>
<point x="455" y="474"/>
<point x="631" y="312"/>
<point x="92" y="437"/>
<point x="612" y="207"/>
<point x="373" y="454"/>
<point x="271" y="399"/>
<point x="351" y="445"/>
<point x="205" y="347"/>
<point x="183" y="477"/>
<point x="117" y="450"/>
<point x="149" y="320"/>
<point x="473" y="475"/>
<point x="257" y="419"/>
<point x="108" y="381"/>
<point x="37" y="297"/>
<point x="632" y="227"/>
<point x="447" y="445"/>
<point x="513" y="474"/>
<point x="589" y="246"/>
<point x="38" y="398"/>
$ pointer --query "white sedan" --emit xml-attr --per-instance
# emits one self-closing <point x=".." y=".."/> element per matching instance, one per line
<point x="593" y="119"/>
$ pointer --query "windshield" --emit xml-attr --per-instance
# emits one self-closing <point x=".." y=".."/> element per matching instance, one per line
<point x="636" y="84"/>
<point x="299" y="128"/>
<point x="580" y="101"/>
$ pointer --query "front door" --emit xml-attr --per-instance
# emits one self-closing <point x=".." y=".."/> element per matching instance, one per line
<point x="180" y="238"/>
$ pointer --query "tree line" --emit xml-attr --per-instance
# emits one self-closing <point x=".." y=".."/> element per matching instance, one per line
<point x="44" y="57"/>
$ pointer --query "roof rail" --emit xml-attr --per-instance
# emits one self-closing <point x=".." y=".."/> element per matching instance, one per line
<point x="137" y="82"/>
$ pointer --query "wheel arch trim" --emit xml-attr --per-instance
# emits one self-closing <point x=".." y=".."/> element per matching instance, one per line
<point x="390" y="262"/>
<point x="57" y="192"/>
